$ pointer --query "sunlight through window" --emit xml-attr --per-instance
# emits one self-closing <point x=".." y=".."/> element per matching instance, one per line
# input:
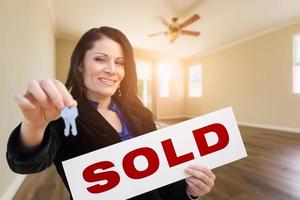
<point x="144" y="82"/>
<point x="195" y="81"/>
<point x="296" y="66"/>
<point x="164" y="72"/>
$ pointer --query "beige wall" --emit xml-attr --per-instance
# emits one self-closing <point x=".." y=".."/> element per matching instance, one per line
<point x="255" y="77"/>
<point x="64" y="49"/>
<point x="26" y="52"/>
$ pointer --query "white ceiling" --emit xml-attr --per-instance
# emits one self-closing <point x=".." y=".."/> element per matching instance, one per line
<point x="222" y="22"/>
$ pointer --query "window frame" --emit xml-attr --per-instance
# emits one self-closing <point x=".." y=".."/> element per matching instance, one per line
<point x="164" y="80"/>
<point x="296" y="65"/>
<point x="146" y="78"/>
<point x="192" y="82"/>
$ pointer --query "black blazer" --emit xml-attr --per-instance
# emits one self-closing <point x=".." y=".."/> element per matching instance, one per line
<point x="94" y="132"/>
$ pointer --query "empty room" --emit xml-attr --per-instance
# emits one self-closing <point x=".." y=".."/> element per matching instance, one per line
<point x="78" y="78"/>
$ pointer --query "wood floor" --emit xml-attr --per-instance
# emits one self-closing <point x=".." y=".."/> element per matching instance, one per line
<point x="270" y="172"/>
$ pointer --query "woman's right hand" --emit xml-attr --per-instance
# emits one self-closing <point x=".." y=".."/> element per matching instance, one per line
<point x="40" y="105"/>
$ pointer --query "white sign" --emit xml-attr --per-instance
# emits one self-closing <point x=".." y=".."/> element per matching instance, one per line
<point x="150" y="161"/>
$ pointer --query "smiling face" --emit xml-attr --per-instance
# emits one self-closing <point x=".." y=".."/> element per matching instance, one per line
<point x="103" y="69"/>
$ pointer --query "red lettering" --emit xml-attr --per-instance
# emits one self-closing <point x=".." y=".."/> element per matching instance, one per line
<point x="96" y="173"/>
<point x="203" y="147"/>
<point x="111" y="177"/>
<point x="171" y="155"/>
<point x="130" y="169"/>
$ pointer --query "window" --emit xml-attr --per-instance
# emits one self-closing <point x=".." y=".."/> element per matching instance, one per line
<point x="144" y="82"/>
<point x="296" y="64"/>
<point x="195" y="81"/>
<point x="164" y="71"/>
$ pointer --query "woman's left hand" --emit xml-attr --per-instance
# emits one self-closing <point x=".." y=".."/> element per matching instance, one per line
<point x="201" y="180"/>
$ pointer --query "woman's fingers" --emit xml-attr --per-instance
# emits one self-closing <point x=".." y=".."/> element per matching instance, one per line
<point x="44" y="100"/>
<point x="38" y="94"/>
<point x="201" y="173"/>
<point x="199" y="184"/>
<point x="23" y="103"/>
<point x="201" y="180"/>
<point x="53" y="93"/>
<point x="197" y="187"/>
<point x="203" y="169"/>
<point x="67" y="97"/>
<point x="192" y="188"/>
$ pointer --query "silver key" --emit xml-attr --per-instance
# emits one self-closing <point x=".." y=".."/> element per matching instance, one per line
<point x="69" y="115"/>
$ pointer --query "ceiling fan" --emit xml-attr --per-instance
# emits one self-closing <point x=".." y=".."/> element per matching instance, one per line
<point x="175" y="29"/>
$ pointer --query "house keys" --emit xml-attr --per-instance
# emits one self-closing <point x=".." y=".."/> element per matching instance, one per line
<point x="69" y="115"/>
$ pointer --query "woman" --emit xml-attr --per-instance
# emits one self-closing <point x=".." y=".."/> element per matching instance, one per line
<point x="103" y="84"/>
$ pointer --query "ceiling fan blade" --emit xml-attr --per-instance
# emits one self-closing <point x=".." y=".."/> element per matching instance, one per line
<point x="189" y="21"/>
<point x="159" y="33"/>
<point x="191" y="33"/>
<point x="164" y="21"/>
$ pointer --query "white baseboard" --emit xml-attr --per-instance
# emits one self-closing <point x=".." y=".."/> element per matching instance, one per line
<point x="272" y="127"/>
<point x="13" y="188"/>
<point x="256" y="125"/>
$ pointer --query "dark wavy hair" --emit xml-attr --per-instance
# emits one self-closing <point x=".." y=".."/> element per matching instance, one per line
<point x="139" y="117"/>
